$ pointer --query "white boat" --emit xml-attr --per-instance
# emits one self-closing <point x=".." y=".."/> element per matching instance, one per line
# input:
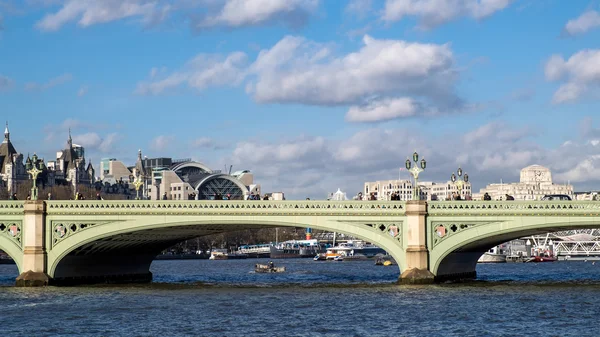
<point x="494" y="255"/>
<point x="353" y="248"/>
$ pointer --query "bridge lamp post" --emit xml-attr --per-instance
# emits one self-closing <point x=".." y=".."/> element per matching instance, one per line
<point x="414" y="171"/>
<point x="460" y="181"/>
<point x="34" y="174"/>
<point x="137" y="183"/>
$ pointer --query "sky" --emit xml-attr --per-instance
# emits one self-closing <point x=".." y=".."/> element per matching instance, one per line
<point x="310" y="95"/>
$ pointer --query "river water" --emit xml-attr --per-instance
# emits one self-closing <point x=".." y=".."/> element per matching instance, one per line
<point x="226" y="298"/>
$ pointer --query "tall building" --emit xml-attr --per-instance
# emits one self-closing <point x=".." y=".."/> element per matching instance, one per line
<point x="70" y="166"/>
<point x="535" y="182"/>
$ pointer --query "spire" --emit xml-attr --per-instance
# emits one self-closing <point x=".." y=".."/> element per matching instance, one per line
<point x="6" y="134"/>
<point x="140" y="154"/>
<point x="70" y="140"/>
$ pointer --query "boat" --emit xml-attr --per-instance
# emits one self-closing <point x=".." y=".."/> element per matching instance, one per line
<point x="541" y="259"/>
<point x="255" y="251"/>
<point x="385" y="261"/>
<point x="338" y="258"/>
<point x="494" y="255"/>
<point x="221" y="254"/>
<point x="354" y="248"/>
<point x="268" y="268"/>
<point x="296" y="249"/>
<point x="320" y="257"/>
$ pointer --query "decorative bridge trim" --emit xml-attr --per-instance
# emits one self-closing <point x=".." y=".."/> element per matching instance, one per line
<point x="12" y="207"/>
<point x="12" y="230"/>
<point x="514" y="208"/>
<point x="444" y="229"/>
<point x="225" y="207"/>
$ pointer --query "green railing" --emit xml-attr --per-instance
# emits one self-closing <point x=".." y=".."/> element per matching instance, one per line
<point x="526" y="208"/>
<point x="225" y="207"/>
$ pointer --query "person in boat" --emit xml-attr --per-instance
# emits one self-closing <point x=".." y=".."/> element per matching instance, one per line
<point x="271" y="265"/>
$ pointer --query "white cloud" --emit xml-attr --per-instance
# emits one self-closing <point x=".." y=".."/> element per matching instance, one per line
<point x="239" y="13"/>
<point x="581" y="71"/>
<point x="207" y="143"/>
<point x="202" y="13"/>
<point x="91" y="12"/>
<point x="82" y="91"/>
<point x="432" y="13"/>
<point x="314" y="166"/>
<point x="200" y="73"/>
<point x="586" y="22"/>
<point x="53" y="82"/>
<point x="359" y="8"/>
<point x="5" y="82"/>
<point x="161" y="142"/>
<point x="297" y="70"/>
<point x="92" y="141"/>
<point x="383" y="110"/>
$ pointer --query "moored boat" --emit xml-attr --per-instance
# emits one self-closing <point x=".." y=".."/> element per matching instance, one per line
<point x="355" y="250"/>
<point x="542" y="259"/>
<point x="296" y="249"/>
<point x="221" y="254"/>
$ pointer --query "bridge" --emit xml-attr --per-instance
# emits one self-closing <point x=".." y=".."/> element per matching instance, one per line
<point x="71" y="242"/>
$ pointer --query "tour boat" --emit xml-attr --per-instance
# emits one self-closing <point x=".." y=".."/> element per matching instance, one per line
<point x="350" y="249"/>
<point x="295" y="249"/>
<point x="494" y="255"/>
<point x="542" y="259"/>
<point x="221" y="254"/>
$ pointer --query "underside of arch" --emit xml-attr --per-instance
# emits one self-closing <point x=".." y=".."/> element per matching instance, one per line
<point x="459" y="255"/>
<point x="126" y="256"/>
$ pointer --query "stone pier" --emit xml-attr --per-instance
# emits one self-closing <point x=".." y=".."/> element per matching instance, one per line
<point x="34" y="246"/>
<point x="417" y="255"/>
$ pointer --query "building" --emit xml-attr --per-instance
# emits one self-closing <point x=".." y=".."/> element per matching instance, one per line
<point x="70" y="167"/>
<point x="12" y="169"/>
<point x="179" y="179"/>
<point x="383" y="190"/>
<point x="535" y="182"/>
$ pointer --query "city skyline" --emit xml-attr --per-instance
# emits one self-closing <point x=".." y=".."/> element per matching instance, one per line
<point x="310" y="95"/>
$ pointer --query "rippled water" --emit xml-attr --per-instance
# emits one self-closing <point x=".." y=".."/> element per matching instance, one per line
<point x="225" y="298"/>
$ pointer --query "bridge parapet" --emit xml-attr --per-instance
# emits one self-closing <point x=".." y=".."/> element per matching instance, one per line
<point x="520" y="208"/>
<point x="226" y="207"/>
<point x="12" y="207"/>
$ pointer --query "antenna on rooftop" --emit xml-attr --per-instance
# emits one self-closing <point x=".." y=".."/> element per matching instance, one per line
<point x="230" y="166"/>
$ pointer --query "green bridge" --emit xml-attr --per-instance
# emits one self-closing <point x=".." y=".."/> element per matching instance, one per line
<point x="70" y="242"/>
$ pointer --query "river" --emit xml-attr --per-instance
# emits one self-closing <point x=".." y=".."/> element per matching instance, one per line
<point x="226" y="298"/>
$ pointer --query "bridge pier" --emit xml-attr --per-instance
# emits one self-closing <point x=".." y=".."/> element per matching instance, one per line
<point x="34" y="246"/>
<point x="417" y="255"/>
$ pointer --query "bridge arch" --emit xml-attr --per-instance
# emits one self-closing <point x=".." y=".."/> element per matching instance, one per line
<point x="455" y="255"/>
<point x="128" y="246"/>
<point x="11" y="249"/>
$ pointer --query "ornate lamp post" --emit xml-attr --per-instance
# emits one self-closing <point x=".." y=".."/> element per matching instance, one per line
<point x="34" y="174"/>
<point x="138" y="182"/>
<point x="460" y="181"/>
<point x="415" y="170"/>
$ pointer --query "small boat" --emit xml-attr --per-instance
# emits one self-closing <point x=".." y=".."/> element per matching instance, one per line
<point x="338" y="258"/>
<point x="268" y="268"/>
<point x="385" y="261"/>
<point x="320" y="257"/>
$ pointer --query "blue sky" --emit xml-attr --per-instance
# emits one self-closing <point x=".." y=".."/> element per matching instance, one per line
<point x="310" y="95"/>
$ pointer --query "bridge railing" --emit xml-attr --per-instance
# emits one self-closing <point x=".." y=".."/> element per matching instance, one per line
<point x="12" y="207"/>
<point x="563" y="208"/>
<point x="258" y="207"/>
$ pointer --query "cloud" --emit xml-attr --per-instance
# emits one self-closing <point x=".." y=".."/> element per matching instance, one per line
<point x="53" y="82"/>
<point x="82" y="91"/>
<point x="202" y="14"/>
<point x="359" y="8"/>
<point x="432" y="13"/>
<point x="200" y="73"/>
<point x="584" y="23"/>
<point x="207" y="143"/>
<point x="93" y="141"/>
<point x="91" y="12"/>
<point x="5" y="82"/>
<point x="312" y="166"/>
<point x="297" y="70"/>
<point x="242" y="13"/>
<point x="382" y="110"/>
<point x="161" y="142"/>
<point x="581" y="72"/>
